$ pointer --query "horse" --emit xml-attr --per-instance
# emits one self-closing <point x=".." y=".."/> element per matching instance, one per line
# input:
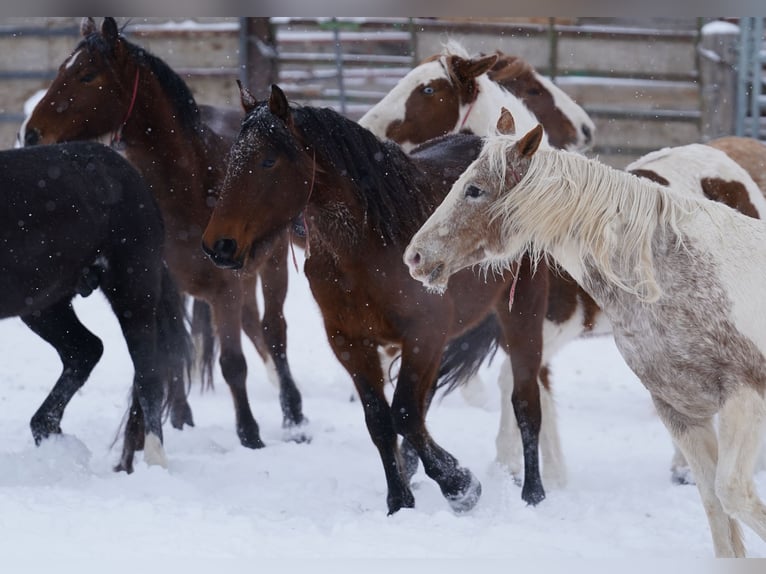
<point x="78" y="217"/>
<point x="361" y="199"/>
<point x="679" y="278"/>
<point x="750" y="153"/>
<point x="454" y="91"/>
<point x="109" y="85"/>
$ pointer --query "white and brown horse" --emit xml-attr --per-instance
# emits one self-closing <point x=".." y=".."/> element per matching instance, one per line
<point x="454" y="91"/>
<point x="679" y="278"/>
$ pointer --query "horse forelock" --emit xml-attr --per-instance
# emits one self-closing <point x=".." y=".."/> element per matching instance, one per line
<point x="564" y="200"/>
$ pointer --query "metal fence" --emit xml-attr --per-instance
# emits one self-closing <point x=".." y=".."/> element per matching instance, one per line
<point x="751" y="100"/>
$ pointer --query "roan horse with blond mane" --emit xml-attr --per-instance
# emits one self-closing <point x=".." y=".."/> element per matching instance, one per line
<point x="677" y="276"/>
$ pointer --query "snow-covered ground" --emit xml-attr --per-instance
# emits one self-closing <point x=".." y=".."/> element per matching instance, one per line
<point x="221" y="506"/>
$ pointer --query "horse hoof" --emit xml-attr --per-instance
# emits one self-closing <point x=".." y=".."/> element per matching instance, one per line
<point x="42" y="428"/>
<point x="682" y="476"/>
<point x="154" y="452"/>
<point x="532" y="496"/>
<point x="465" y="499"/>
<point x="180" y="416"/>
<point x="396" y="503"/>
<point x="297" y="432"/>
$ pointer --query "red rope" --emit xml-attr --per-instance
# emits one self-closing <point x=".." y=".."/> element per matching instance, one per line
<point x="468" y="113"/>
<point x="118" y="134"/>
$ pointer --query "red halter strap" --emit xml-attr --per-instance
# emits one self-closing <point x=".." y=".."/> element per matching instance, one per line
<point x="117" y="137"/>
<point x="468" y="113"/>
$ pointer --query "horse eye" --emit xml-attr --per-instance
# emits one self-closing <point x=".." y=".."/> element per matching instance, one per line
<point x="268" y="162"/>
<point x="473" y="191"/>
<point x="87" y="78"/>
<point x="428" y="90"/>
<point x="534" y="92"/>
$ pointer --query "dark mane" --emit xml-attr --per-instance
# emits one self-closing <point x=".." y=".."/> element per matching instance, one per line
<point x="394" y="193"/>
<point x="176" y="89"/>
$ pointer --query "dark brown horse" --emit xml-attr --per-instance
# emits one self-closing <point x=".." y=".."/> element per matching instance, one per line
<point x="76" y="217"/>
<point x="362" y="200"/>
<point x="112" y="86"/>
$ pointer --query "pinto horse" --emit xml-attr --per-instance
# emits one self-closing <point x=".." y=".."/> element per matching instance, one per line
<point x="679" y="278"/>
<point x="77" y="217"/>
<point x="454" y="91"/>
<point x="112" y="86"/>
<point x="361" y="200"/>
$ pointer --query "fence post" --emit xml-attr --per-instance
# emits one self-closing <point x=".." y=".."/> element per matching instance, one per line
<point x="258" y="55"/>
<point x="718" y="51"/>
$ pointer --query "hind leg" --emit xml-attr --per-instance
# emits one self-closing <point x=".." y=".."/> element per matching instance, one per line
<point x="697" y="440"/>
<point x="739" y="442"/>
<point x="79" y="351"/>
<point x="204" y="343"/>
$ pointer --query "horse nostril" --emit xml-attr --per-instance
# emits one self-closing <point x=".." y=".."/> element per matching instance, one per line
<point x="31" y="137"/>
<point x="586" y="132"/>
<point x="225" y="248"/>
<point x="414" y="259"/>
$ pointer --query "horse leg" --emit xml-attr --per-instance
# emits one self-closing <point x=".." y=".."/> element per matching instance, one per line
<point x="79" y="351"/>
<point x="227" y="317"/>
<point x="420" y="364"/>
<point x="739" y="435"/>
<point x="680" y="473"/>
<point x="360" y="358"/>
<point x="699" y="445"/>
<point x="204" y="343"/>
<point x="508" y="440"/>
<point x="523" y="332"/>
<point x="554" y="468"/>
<point x="273" y="275"/>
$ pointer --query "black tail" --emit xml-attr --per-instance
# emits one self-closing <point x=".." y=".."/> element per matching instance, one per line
<point x="464" y="355"/>
<point x="205" y="341"/>
<point x="175" y="350"/>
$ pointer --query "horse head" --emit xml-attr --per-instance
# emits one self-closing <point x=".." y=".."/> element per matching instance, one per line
<point x="267" y="184"/>
<point x="465" y="229"/>
<point x="93" y="92"/>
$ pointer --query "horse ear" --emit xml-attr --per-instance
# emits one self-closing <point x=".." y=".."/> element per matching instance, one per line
<point x="87" y="26"/>
<point x="466" y="70"/>
<point x="278" y="104"/>
<point x="109" y="30"/>
<point x="247" y="98"/>
<point x="505" y="123"/>
<point x="528" y="145"/>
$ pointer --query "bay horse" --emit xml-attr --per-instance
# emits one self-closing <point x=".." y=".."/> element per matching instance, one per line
<point x="454" y="91"/>
<point x="78" y="217"/>
<point x="361" y="199"/>
<point x="109" y="85"/>
<point x="679" y="278"/>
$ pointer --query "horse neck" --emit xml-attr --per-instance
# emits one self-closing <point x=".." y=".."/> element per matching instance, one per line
<point x="597" y="222"/>
<point x="182" y="164"/>
<point x="481" y="119"/>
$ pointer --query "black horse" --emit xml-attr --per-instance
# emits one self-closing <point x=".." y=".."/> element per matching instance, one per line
<point x="76" y="217"/>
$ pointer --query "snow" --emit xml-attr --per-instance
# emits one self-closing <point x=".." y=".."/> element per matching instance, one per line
<point x="221" y="506"/>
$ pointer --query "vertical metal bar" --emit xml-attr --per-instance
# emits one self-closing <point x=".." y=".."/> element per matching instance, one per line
<point x="756" y="79"/>
<point x="743" y="71"/>
<point x="339" y="66"/>
<point x="243" y="52"/>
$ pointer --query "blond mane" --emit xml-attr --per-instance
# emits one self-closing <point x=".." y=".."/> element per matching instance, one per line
<point x="612" y="215"/>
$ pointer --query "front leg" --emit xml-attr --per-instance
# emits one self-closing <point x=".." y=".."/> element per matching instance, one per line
<point x="523" y="332"/>
<point x="414" y="390"/>
<point x="360" y="358"/>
